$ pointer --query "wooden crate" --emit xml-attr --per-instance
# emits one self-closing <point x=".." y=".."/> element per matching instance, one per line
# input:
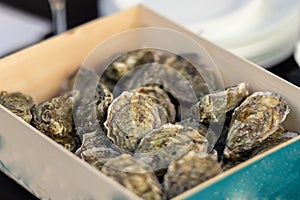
<point x="49" y="171"/>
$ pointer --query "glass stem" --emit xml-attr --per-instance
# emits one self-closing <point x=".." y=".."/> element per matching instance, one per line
<point x="58" y="11"/>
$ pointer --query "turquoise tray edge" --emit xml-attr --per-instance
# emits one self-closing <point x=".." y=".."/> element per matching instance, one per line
<point x="275" y="176"/>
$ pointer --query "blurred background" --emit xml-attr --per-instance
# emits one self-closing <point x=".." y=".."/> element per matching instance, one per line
<point x="264" y="32"/>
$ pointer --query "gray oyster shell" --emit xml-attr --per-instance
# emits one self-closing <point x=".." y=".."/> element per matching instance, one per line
<point x="194" y="123"/>
<point x="163" y="145"/>
<point x="257" y="118"/>
<point x="176" y="75"/>
<point x="96" y="149"/>
<point x="160" y="97"/>
<point x="272" y="141"/>
<point x="130" y="117"/>
<point x="126" y="62"/>
<point x="194" y="74"/>
<point x="189" y="171"/>
<point x="134" y="175"/>
<point x="213" y="106"/>
<point x="90" y="110"/>
<point x="18" y="103"/>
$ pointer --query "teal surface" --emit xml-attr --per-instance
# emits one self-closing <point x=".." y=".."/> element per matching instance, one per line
<point x="275" y="176"/>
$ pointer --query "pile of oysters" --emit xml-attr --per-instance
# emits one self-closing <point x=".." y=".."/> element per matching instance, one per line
<point x="141" y="124"/>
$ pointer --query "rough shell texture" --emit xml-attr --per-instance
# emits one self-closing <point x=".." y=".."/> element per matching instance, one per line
<point x="193" y="73"/>
<point x="18" y="103"/>
<point x="98" y="156"/>
<point x="194" y="123"/>
<point x="134" y="175"/>
<point x="184" y="81"/>
<point x="213" y="106"/>
<point x="273" y="141"/>
<point x="161" y="146"/>
<point x="130" y="117"/>
<point x="67" y="141"/>
<point x="189" y="171"/>
<point x="92" y="140"/>
<point x="96" y="149"/>
<point x="258" y="117"/>
<point x="90" y="110"/>
<point x="55" y="117"/>
<point x="160" y="97"/>
<point x="126" y="62"/>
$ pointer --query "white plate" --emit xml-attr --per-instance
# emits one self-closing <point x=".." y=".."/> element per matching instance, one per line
<point x="297" y="53"/>
<point x="261" y="31"/>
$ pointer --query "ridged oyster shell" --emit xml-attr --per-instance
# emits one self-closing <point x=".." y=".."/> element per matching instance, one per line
<point x="167" y="143"/>
<point x="272" y="141"/>
<point x="126" y="62"/>
<point x="90" y="110"/>
<point x="130" y="117"/>
<point x="134" y="175"/>
<point x="189" y="171"/>
<point x="258" y="117"/>
<point x="54" y="118"/>
<point x="160" y="97"/>
<point x="96" y="149"/>
<point x="194" y="74"/>
<point x="213" y="106"/>
<point x="18" y="103"/>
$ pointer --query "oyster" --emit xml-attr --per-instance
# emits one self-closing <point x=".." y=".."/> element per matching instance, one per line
<point x="273" y="141"/>
<point x="213" y="106"/>
<point x="160" y="97"/>
<point x="18" y="103"/>
<point x="258" y="117"/>
<point x="92" y="140"/>
<point x="67" y="141"/>
<point x="178" y="77"/>
<point x="194" y="123"/>
<point x="98" y="156"/>
<point x="161" y="146"/>
<point x="126" y="62"/>
<point x="189" y="171"/>
<point x="134" y="175"/>
<point x="55" y="117"/>
<point x="90" y="110"/>
<point x="228" y="164"/>
<point x="130" y="117"/>
<point x="193" y="73"/>
<point x="96" y="149"/>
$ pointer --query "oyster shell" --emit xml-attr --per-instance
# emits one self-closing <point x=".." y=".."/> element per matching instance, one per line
<point x="67" y="141"/>
<point x="194" y="74"/>
<point x="160" y="97"/>
<point x="272" y="141"/>
<point x="178" y="77"/>
<point x="55" y="117"/>
<point x="96" y="149"/>
<point x="213" y="106"/>
<point x="98" y="156"/>
<point x="130" y="117"/>
<point x="90" y="110"/>
<point x="18" y="103"/>
<point x="230" y="164"/>
<point x="163" y="145"/>
<point x="126" y="62"/>
<point x="258" y="117"/>
<point x="189" y="171"/>
<point x="194" y="123"/>
<point x="134" y="175"/>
